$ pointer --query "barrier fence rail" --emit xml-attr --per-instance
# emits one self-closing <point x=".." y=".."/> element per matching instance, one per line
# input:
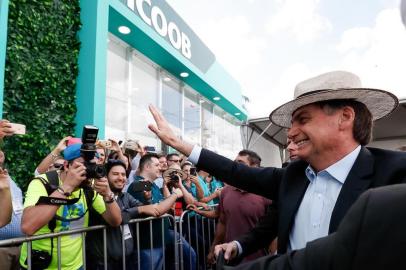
<point x="199" y="232"/>
<point x="198" y="235"/>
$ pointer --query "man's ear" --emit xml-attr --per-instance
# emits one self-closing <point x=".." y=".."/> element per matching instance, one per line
<point x="347" y="118"/>
<point x="65" y="165"/>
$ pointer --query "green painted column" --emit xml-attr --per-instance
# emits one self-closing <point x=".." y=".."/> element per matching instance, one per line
<point x="3" y="46"/>
<point x="91" y="82"/>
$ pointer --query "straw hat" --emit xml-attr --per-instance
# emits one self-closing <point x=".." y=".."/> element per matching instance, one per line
<point x="133" y="145"/>
<point x="174" y="168"/>
<point x="335" y="85"/>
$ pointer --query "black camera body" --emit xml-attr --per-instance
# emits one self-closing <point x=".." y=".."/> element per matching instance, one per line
<point x="174" y="177"/>
<point x="88" y="151"/>
<point x="142" y="185"/>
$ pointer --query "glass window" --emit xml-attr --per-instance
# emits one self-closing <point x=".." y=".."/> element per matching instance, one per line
<point x="144" y="91"/>
<point x="134" y="82"/>
<point x="116" y="92"/>
<point x="172" y="104"/>
<point x="207" y="124"/>
<point x="191" y="116"/>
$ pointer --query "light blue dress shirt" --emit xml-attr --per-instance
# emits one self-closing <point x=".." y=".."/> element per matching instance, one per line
<point x="13" y="229"/>
<point x="312" y="219"/>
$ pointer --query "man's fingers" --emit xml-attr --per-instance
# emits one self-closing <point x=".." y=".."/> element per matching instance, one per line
<point x="155" y="113"/>
<point x="217" y="250"/>
<point x="153" y="128"/>
<point x="229" y="251"/>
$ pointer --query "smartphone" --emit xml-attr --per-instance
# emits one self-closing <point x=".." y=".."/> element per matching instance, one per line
<point x="150" y="149"/>
<point x="193" y="171"/>
<point x="139" y="186"/>
<point x="18" y="129"/>
<point x="105" y="143"/>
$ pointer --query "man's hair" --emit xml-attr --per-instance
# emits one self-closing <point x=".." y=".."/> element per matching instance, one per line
<point x="362" y="129"/>
<point x="253" y="157"/>
<point x="160" y="155"/>
<point x="146" y="159"/>
<point x="168" y="156"/>
<point x="114" y="162"/>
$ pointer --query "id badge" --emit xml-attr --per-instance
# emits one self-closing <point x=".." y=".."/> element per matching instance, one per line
<point x="126" y="232"/>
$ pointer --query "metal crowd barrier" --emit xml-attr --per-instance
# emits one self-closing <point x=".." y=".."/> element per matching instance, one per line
<point x="20" y="240"/>
<point x="199" y="231"/>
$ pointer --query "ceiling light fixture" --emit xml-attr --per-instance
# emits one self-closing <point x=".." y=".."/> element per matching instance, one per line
<point x="216" y="98"/>
<point x="184" y="74"/>
<point x="124" y="30"/>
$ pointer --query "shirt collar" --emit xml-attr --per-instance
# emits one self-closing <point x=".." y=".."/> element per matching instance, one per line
<point x="338" y="170"/>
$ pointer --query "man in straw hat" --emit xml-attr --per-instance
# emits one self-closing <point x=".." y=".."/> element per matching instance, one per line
<point x="330" y="120"/>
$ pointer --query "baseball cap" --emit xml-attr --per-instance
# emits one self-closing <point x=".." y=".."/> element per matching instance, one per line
<point x="72" y="151"/>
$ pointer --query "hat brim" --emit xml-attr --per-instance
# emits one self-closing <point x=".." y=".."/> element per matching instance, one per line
<point x="379" y="102"/>
<point x="181" y="173"/>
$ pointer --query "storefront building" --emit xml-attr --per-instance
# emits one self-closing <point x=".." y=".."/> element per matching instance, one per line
<point x="140" y="52"/>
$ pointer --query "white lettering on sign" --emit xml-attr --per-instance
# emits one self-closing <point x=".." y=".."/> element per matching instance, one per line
<point x="157" y="19"/>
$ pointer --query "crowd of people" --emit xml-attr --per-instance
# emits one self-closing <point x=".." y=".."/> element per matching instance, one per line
<point x="136" y="184"/>
<point x="310" y="214"/>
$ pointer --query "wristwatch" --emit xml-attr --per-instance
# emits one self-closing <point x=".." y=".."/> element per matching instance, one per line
<point x="110" y="198"/>
<point x="63" y="192"/>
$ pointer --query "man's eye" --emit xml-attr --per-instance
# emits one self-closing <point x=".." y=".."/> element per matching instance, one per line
<point x="303" y="120"/>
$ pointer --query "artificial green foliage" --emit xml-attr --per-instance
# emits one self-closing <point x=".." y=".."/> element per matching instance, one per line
<point x="40" y="79"/>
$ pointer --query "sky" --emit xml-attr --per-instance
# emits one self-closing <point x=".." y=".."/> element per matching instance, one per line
<point x="269" y="46"/>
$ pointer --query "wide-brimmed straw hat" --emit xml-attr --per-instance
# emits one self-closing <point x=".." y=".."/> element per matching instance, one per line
<point x="174" y="168"/>
<point x="335" y="85"/>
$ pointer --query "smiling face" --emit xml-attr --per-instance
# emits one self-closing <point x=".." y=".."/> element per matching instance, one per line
<point x="117" y="178"/>
<point x="151" y="170"/>
<point x="292" y="149"/>
<point x="316" y="134"/>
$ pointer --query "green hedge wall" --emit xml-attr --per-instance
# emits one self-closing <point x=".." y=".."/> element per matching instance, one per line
<point x="40" y="79"/>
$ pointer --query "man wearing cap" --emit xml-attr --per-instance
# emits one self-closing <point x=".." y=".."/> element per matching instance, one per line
<point x="330" y="120"/>
<point x="41" y="208"/>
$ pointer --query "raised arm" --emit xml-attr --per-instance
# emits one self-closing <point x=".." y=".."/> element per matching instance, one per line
<point x="261" y="181"/>
<point x="52" y="156"/>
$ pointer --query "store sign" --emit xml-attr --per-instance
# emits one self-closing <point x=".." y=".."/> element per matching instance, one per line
<point x="165" y="21"/>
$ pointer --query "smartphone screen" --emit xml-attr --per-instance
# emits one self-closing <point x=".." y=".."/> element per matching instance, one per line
<point x="150" y="149"/>
<point x="18" y="129"/>
<point x="193" y="171"/>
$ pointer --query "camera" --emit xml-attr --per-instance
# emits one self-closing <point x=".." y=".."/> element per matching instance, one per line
<point x="40" y="259"/>
<point x="88" y="151"/>
<point x="139" y="186"/>
<point x="173" y="176"/>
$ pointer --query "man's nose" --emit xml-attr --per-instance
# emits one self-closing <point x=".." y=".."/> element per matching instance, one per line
<point x="292" y="132"/>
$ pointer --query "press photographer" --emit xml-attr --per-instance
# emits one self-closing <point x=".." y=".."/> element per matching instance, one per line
<point x="59" y="201"/>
